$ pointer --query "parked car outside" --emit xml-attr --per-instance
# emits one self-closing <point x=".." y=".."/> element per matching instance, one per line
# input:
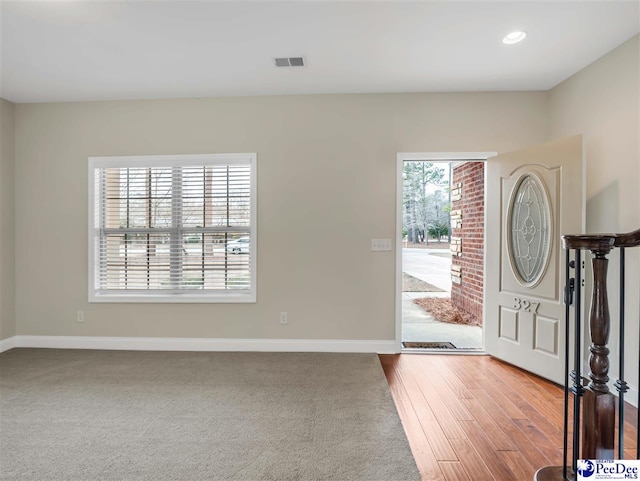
<point x="239" y="246"/>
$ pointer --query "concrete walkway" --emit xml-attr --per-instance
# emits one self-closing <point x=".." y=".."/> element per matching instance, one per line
<point x="432" y="266"/>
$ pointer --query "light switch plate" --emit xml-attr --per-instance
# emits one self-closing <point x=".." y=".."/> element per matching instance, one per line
<point x="380" y="244"/>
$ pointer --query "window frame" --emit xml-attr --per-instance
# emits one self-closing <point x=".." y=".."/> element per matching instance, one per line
<point x="157" y="296"/>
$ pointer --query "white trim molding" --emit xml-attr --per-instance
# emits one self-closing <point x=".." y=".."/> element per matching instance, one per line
<point x="8" y="343"/>
<point x="204" y="344"/>
<point x="631" y="396"/>
<point x="445" y="156"/>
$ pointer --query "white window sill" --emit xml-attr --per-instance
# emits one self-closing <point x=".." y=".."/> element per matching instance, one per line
<point x="217" y="298"/>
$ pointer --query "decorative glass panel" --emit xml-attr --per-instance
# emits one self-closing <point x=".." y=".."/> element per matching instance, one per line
<point x="530" y="230"/>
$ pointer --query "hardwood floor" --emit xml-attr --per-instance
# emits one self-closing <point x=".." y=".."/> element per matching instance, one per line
<point x="474" y="418"/>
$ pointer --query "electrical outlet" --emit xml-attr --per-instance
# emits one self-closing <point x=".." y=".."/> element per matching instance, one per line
<point x="80" y="316"/>
<point x="283" y="318"/>
<point x="380" y="244"/>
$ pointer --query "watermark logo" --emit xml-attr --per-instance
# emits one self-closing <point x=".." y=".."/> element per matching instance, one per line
<point x="586" y="468"/>
<point x="609" y="469"/>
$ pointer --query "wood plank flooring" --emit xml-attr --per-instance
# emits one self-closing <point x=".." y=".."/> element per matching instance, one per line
<point x="474" y="418"/>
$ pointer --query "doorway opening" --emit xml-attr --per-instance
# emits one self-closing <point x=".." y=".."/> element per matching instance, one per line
<point x="440" y="262"/>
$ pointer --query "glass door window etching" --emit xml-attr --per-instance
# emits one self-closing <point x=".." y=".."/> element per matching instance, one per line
<point x="529" y="230"/>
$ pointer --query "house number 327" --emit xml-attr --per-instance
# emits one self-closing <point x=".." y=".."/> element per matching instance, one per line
<point x="525" y="305"/>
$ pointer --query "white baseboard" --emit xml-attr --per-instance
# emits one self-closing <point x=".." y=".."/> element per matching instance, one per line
<point x="8" y="343"/>
<point x="631" y="396"/>
<point x="203" y="344"/>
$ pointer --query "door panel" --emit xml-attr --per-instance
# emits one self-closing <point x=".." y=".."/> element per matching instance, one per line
<point x="533" y="197"/>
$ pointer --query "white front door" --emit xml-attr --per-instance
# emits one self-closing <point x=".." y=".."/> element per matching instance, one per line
<point x="534" y="196"/>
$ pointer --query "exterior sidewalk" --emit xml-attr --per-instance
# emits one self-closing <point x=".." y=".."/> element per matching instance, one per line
<point x="432" y="266"/>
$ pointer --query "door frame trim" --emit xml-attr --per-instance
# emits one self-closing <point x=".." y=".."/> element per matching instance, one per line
<point x="427" y="157"/>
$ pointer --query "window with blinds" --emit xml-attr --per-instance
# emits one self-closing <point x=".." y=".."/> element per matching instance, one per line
<point x="172" y="228"/>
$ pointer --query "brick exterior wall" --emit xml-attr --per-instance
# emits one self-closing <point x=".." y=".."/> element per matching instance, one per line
<point x="467" y="295"/>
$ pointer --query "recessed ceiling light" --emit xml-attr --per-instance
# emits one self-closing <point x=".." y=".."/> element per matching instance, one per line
<point x="514" y="37"/>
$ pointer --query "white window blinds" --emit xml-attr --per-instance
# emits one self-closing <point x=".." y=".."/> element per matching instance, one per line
<point x="173" y="228"/>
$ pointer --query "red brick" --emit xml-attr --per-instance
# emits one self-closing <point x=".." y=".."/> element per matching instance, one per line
<point x="468" y="295"/>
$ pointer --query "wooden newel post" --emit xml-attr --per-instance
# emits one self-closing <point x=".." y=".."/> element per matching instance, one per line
<point x="598" y="404"/>
<point x="595" y="417"/>
<point x="598" y="425"/>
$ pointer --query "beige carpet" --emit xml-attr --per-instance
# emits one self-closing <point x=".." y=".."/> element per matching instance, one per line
<point x="121" y="415"/>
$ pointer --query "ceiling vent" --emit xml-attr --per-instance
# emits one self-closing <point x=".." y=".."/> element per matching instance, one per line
<point x="289" y="62"/>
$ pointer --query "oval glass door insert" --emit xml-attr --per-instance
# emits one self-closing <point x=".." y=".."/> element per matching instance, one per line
<point x="529" y="236"/>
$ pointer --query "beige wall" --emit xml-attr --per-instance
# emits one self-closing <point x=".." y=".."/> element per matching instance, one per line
<point x="603" y="102"/>
<point x="7" y="310"/>
<point x="326" y="186"/>
<point x="326" y="183"/>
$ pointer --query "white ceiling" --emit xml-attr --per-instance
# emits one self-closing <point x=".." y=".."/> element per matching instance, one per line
<point x="105" y="50"/>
